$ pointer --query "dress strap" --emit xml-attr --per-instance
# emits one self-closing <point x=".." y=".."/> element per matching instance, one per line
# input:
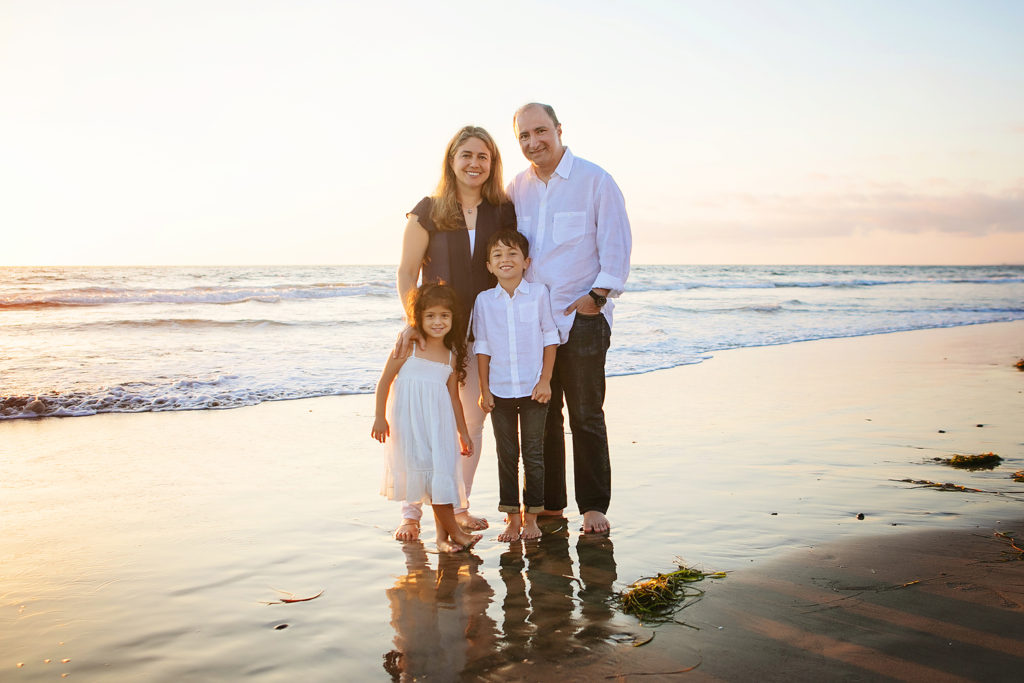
<point x="449" y="356"/>
<point x="414" y="349"/>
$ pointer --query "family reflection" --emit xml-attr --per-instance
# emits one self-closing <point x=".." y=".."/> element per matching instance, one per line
<point x="551" y="610"/>
<point x="439" y="616"/>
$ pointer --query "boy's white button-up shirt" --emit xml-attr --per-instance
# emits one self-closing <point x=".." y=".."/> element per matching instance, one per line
<point x="513" y="331"/>
<point x="578" y="231"/>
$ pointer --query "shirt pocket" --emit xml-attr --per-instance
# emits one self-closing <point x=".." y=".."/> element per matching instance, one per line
<point x="568" y="227"/>
<point x="528" y="312"/>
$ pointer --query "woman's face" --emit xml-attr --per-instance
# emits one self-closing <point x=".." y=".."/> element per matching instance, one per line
<point x="471" y="163"/>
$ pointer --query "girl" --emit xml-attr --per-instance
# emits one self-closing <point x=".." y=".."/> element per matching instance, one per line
<point x="426" y="413"/>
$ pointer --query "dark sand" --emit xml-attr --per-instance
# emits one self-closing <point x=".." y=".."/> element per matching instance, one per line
<point x="144" y="547"/>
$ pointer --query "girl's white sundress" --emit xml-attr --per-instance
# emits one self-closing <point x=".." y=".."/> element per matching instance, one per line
<point x="423" y="451"/>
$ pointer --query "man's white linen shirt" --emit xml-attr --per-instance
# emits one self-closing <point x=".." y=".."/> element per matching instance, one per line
<point x="578" y="231"/>
<point x="513" y="331"/>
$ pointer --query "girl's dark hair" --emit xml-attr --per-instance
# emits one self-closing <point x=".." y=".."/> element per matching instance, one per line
<point x="439" y="294"/>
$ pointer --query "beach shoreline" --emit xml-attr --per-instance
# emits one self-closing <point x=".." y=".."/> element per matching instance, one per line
<point x="142" y="545"/>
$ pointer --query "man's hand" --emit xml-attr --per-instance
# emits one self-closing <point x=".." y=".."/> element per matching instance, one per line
<point x="585" y="305"/>
<point x="486" y="401"/>
<point x="404" y="345"/>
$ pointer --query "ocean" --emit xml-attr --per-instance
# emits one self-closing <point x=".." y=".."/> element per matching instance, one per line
<point x="79" y="341"/>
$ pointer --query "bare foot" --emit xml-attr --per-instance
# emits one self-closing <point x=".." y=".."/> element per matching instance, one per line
<point x="408" y="530"/>
<point x="512" y="529"/>
<point x="448" y="546"/>
<point x="468" y="521"/>
<point x="530" y="529"/>
<point x="552" y="513"/>
<point x="595" y="522"/>
<point x="466" y="541"/>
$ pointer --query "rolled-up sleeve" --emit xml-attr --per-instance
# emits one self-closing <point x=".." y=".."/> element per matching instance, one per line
<point x="480" y="345"/>
<point x="614" y="238"/>
<point x="549" y="331"/>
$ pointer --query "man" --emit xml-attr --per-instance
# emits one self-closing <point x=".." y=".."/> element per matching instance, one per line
<point x="575" y="218"/>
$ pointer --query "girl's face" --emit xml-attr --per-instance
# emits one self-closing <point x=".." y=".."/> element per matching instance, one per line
<point x="471" y="163"/>
<point x="437" y="321"/>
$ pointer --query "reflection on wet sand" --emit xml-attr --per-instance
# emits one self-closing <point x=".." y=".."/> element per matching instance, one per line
<point x="549" y="613"/>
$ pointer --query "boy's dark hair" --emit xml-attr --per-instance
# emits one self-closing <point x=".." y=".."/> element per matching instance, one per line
<point x="510" y="238"/>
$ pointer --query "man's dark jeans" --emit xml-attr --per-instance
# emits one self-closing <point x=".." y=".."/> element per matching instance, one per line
<point x="508" y="416"/>
<point x="578" y="381"/>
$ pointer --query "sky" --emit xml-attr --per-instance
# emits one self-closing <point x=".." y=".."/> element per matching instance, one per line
<point x="194" y="132"/>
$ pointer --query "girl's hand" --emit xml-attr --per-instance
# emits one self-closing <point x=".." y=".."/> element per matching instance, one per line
<point x="406" y="339"/>
<point x="542" y="392"/>
<point x="486" y="401"/>
<point x="466" y="444"/>
<point x="381" y="430"/>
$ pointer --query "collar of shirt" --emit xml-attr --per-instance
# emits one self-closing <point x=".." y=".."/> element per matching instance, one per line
<point x="523" y="287"/>
<point x="563" y="169"/>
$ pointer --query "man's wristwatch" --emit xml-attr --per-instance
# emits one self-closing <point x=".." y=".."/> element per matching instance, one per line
<point x="598" y="299"/>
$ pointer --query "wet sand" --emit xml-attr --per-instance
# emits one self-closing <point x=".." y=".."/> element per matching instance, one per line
<point x="142" y="547"/>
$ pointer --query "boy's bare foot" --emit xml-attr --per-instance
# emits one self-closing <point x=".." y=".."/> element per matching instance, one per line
<point x="512" y="530"/>
<point x="552" y="513"/>
<point x="530" y="529"/>
<point x="408" y="530"/>
<point x="595" y="522"/>
<point x="468" y="521"/>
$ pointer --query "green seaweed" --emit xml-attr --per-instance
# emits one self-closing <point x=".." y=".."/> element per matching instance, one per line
<point x="982" y="461"/>
<point x="656" y="599"/>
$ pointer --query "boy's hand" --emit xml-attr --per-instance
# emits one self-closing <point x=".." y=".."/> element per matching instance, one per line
<point x="486" y="401"/>
<point x="466" y="444"/>
<point x="381" y="430"/>
<point x="542" y="392"/>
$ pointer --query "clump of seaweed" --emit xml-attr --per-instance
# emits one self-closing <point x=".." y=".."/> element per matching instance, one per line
<point x="941" y="487"/>
<point x="982" y="461"/>
<point x="1018" y="476"/>
<point x="657" y="599"/>
<point x="1019" y="365"/>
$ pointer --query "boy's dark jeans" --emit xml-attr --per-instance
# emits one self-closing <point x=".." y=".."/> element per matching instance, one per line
<point x="508" y="416"/>
<point x="579" y="376"/>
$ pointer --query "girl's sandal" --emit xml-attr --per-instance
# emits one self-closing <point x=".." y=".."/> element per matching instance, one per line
<point x="408" y="530"/>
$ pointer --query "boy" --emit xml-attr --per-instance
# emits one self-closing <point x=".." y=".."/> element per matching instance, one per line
<point x="516" y="340"/>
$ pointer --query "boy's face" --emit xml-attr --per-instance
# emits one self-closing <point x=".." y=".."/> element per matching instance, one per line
<point x="507" y="262"/>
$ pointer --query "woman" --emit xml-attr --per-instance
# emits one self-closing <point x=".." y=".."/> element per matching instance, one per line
<point x="445" y="240"/>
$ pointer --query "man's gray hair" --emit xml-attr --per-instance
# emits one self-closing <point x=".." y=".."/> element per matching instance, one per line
<point x="546" y="107"/>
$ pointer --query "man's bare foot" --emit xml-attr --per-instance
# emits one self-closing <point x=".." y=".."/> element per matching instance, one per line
<point x="552" y="513"/>
<point x="468" y="521"/>
<point x="408" y="530"/>
<point x="512" y="530"/>
<point x="595" y="522"/>
<point x="530" y="529"/>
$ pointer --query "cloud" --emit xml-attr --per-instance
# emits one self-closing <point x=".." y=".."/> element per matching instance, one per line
<point x="878" y="209"/>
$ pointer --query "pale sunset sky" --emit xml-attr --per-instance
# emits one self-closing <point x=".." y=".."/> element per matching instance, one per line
<point x="300" y="132"/>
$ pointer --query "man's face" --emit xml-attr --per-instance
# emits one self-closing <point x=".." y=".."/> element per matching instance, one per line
<point x="539" y="138"/>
